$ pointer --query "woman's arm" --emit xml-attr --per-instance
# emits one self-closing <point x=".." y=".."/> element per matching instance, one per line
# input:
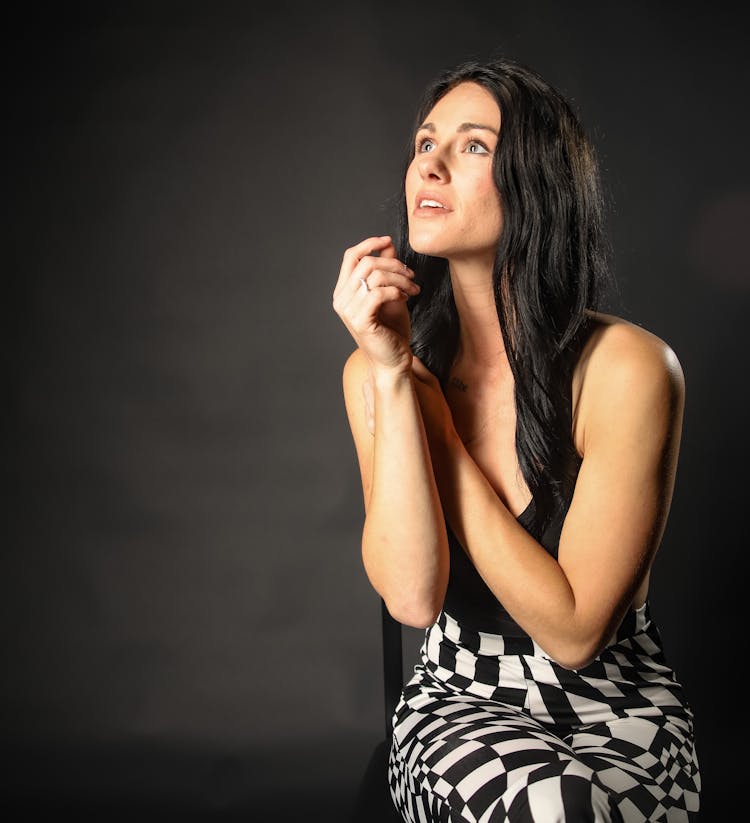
<point x="404" y="540"/>
<point x="630" y="407"/>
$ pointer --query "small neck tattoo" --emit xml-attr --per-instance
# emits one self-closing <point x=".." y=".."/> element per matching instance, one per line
<point x="459" y="384"/>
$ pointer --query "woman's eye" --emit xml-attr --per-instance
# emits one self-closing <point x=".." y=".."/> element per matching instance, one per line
<point x="476" y="148"/>
<point x="425" y="145"/>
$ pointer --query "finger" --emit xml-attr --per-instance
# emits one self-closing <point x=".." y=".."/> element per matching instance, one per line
<point x="361" y="314"/>
<point x="367" y="315"/>
<point x="378" y="271"/>
<point x="368" y="263"/>
<point x="389" y="251"/>
<point x="383" y="277"/>
<point x="372" y="282"/>
<point x="353" y="255"/>
<point x="360" y="259"/>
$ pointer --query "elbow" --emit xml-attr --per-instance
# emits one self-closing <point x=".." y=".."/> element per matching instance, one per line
<point x="575" y="655"/>
<point x="573" y="663"/>
<point x="577" y="642"/>
<point x="417" y="616"/>
<point x="418" y="608"/>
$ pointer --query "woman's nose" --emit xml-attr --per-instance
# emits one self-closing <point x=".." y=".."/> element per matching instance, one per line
<point x="433" y="167"/>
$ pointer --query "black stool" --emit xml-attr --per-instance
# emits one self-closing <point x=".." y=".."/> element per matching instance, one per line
<point x="373" y="803"/>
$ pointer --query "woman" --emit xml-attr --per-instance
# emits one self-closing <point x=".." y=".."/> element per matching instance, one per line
<point x="517" y="449"/>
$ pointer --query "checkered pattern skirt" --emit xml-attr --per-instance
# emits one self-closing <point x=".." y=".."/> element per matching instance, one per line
<point x="489" y="728"/>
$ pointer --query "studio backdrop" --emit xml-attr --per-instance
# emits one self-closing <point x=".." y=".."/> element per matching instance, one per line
<point x="186" y="621"/>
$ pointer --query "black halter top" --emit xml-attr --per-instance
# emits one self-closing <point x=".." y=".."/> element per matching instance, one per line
<point x="468" y="598"/>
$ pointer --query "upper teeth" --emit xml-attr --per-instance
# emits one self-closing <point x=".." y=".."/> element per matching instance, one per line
<point x="431" y="203"/>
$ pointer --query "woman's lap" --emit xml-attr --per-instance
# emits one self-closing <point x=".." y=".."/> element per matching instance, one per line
<point x="461" y="757"/>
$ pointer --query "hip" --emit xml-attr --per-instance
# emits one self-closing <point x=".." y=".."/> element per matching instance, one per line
<point x="629" y="678"/>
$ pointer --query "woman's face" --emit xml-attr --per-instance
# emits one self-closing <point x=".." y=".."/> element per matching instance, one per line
<point x="452" y="203"/>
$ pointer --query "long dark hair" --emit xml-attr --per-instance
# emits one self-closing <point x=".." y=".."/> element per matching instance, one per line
<point x="551" y="265"/>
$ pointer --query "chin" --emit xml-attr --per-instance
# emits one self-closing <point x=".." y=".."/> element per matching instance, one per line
<point x="431" y="246"/>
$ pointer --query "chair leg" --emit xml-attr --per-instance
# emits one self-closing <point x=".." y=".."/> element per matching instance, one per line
<point x="393" y="672"/>
<point x="374" y="803"/>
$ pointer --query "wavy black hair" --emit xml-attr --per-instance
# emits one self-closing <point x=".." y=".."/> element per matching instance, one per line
<point x="551" y="265"/>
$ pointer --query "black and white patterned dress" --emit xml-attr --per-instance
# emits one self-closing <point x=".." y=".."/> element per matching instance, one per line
<point x="489" y="728"/>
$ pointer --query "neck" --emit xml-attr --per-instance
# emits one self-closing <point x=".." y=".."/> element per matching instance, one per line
<point x="481" y="344"/>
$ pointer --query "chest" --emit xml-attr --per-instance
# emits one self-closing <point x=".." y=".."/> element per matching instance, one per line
<point x="486" y="424"/>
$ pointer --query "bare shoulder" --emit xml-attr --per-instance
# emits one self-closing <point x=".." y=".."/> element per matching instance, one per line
<point x="626" y="370"/>
<point x="618" y="349"/>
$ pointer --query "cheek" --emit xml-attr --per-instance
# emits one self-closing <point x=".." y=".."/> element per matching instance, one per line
<point x="488" y="201"/>
<point x="411" y="179"/>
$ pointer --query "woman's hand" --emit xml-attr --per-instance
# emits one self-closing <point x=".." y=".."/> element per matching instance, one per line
<point x="374" y="311"/>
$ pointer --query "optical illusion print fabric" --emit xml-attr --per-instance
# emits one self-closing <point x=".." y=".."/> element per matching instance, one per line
<point x="489" y="728"/>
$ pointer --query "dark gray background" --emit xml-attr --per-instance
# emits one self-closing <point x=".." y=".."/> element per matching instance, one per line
<point x="186" y="622"/>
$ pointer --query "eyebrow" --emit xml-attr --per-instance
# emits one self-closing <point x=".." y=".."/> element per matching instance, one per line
<point x="462" y="128"/>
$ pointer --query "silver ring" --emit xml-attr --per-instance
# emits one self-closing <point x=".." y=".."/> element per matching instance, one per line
<point x="364" y="283"/>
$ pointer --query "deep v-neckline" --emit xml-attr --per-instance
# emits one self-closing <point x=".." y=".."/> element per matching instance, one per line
<point x="524" y="514"/>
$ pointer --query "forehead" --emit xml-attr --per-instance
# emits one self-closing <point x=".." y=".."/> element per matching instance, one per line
<point x="466" y="103"/>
